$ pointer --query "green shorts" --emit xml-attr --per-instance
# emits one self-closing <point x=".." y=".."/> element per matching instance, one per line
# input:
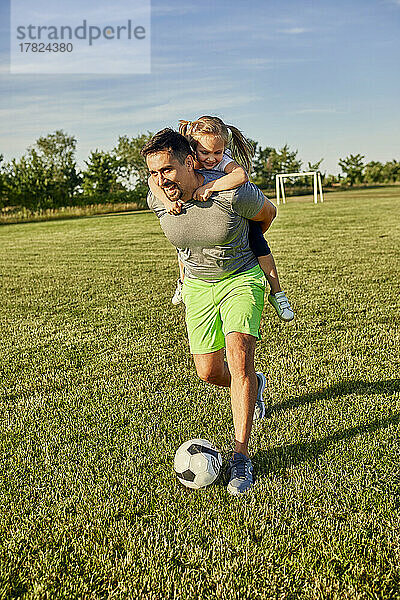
<point x="214" y="309"/>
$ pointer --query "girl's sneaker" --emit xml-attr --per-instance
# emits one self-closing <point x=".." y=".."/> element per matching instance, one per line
<point x="281" y="305"/>
<point x="177" y="297"/>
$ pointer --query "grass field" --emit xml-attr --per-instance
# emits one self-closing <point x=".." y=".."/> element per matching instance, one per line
<point x="98" y="389"/>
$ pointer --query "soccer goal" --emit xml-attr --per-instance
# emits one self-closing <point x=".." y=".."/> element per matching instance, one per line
<point x="317" y="185"/>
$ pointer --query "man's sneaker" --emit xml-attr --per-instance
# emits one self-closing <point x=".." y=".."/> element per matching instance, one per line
<point x="240" y="473"/>
<point x="281" y="305"/>
<point x="177" y="297"/>
<point x="259" y="409"/>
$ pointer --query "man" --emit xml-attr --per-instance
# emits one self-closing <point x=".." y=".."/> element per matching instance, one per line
<point x="224" y="287"/>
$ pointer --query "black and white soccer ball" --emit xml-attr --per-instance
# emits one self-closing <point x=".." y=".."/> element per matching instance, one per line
<point x="197" y="464"/>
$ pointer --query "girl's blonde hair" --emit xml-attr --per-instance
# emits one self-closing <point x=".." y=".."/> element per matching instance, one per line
<point x="242" y="149"/>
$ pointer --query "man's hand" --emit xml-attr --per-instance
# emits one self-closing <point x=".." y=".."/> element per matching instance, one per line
<point x="202" y="193"/>
<point x="173" y="208"/>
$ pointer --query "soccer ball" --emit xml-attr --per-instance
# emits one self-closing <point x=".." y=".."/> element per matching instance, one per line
<point x="197" y="464"/>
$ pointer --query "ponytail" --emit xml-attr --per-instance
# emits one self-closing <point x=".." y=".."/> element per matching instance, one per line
<point x="184" y="127"/>
<point x="242" y="148"/>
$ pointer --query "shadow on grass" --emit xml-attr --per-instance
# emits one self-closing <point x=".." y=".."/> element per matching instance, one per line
<point x="292" y="454"/>
<point x="284" y="457"/>
<point x="337" y="390"/>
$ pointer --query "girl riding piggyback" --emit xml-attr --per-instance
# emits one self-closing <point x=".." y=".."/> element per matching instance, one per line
<point x="223" y="148"/>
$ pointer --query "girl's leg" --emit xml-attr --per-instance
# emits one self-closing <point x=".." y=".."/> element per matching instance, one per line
<point x="181" y="271"/>
<point x="267" y="264"/>
<point x="277" y="297"/>
<point x="259" y="246"/>
<point x="266" y="261"/>
<point x="177" y="297"/>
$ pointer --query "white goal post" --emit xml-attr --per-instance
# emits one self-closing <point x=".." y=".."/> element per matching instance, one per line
<point x="317" y="184"/>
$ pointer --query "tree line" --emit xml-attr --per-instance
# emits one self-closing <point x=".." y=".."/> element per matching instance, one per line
<point x="47" y="175"/>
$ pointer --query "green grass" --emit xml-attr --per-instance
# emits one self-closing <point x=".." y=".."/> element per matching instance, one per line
<point x="98" y="389"/>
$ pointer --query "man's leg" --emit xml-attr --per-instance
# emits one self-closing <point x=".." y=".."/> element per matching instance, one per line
<point x="240" y="376"/>
<point x="212" y="368"/>
<point x="237" y="304"/>
<point x="240" y="348"/>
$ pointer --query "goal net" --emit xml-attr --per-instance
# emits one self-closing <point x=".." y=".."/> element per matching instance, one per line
<point x="317" y="185"/>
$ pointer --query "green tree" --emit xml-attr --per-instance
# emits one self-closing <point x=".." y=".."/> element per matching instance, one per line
<point x="391" y="171"/>
<point x="269" y="161"/>
<point x="263" y="174"/>
<point x="314" y="166"/>
<point x="353" y="168"/>
<point x="373" y="172"/>
<point x="101" y="174"/>
<point x="30" y="183"/>
<point x="57" y="151"/>
<point x="132" y="166"/>
<point x="285" y="161"/>
<point x="331" y="179"/>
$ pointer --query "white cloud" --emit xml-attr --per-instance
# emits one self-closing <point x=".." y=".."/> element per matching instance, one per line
<point x="254" y="63"/>
<point x="294" y="30"/>
<point x="163" y="62"/>
<point x="317" y="110"/>
<point x="234" y="35"/>
<point x="175" y="10"/>
<point x="44" y="12"/>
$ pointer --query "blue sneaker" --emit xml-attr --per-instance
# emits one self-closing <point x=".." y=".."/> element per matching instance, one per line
<point x="259" y="409"/>
<point x="240" y="473"/>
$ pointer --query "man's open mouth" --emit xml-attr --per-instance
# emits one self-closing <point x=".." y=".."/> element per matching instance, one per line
<point x="172" y="191"/>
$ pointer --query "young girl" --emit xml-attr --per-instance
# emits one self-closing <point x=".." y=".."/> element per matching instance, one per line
<point x="209" y="138"/>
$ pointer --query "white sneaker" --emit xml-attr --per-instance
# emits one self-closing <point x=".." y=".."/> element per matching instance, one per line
<point x="281" y="305"/>
<point x="177" y="297"/>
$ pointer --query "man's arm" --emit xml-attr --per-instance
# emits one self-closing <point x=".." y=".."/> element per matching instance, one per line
<point x="266" y="215"/>
<point x="249" y="202"/>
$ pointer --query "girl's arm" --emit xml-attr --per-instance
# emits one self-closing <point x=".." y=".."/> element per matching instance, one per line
<point x="173" y="208"/>
<point x="235" y="176"/>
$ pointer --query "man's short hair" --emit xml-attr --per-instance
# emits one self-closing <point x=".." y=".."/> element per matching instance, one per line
<point x="170" y="140"/>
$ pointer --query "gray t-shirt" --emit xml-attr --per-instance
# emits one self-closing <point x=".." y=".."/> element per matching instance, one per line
<point x="212" y="237"/>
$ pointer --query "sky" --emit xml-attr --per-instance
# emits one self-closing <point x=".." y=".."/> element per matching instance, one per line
<point x="321" y="76"/>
